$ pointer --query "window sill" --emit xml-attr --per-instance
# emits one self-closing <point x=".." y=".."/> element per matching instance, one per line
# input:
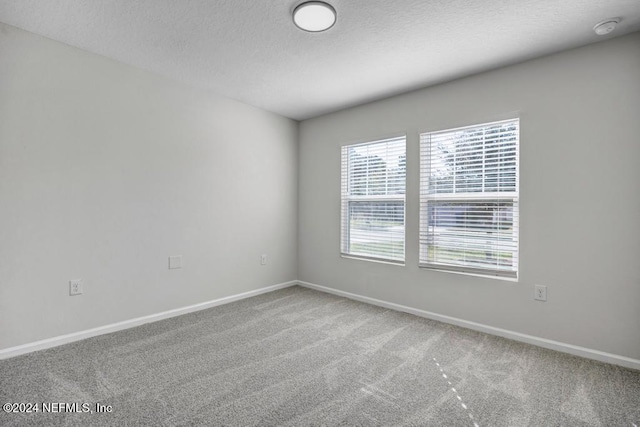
<point x="376" y="260"/>
<point x="466" y="273"/>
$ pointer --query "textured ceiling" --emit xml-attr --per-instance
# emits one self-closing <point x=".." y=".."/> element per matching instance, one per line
<point x="250" y="50"/>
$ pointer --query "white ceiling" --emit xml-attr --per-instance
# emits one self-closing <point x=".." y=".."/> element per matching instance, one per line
<point x="251" y="51"/>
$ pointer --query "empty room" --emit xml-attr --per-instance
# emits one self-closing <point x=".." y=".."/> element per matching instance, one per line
<point x="292" y="213"/>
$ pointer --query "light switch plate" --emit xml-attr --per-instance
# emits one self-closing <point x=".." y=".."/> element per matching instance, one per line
<point x="175" y="261"/>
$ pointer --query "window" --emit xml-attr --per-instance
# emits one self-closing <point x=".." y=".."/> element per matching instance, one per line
<point x="469" y="199"/>
<point x="373" y="199"/>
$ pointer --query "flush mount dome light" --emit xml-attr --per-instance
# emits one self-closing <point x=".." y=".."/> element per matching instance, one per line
<point x="314" y="16"/>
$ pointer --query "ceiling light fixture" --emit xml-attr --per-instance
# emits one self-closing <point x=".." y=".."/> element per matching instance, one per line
<point x="314" y="16"/>
<point x="606" y="26"/>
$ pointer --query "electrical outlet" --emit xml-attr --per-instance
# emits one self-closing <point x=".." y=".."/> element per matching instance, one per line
<point x="540" y="293"/>
<point x="75" y="287"/>
<point x="263" y="259"/>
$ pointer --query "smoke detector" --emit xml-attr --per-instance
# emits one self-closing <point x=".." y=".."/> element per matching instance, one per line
<point x="606" y="26"/>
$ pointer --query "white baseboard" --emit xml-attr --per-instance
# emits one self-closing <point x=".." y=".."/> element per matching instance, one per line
<point x="601" y="356"/>
<point x="77" y="336"/>
<point x="530" y="339"/>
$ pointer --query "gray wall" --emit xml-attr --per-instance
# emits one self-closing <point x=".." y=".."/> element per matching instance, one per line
<point x="106" y="170"/>
<point x="579" y="189"/>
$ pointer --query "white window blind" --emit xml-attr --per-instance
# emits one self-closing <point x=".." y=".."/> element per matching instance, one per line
<point x="373" y="199"/>
<point x="469" y="199"/>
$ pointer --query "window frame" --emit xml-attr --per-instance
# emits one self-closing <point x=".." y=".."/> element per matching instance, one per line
<point x="497" y="197"/>
<point x="346" y="199"/>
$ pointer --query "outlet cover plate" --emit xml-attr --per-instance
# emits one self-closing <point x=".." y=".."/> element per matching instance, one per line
<point x="75" y="287"/>
<point x="175" y="261"/>
<point x="540" y="293"/>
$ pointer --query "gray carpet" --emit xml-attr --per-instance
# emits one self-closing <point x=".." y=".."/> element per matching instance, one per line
<point x="298" y="357"/>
